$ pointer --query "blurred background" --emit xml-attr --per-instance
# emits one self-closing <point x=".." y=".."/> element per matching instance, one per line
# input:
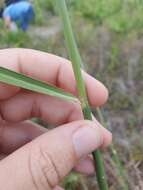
<point x="110" y="38"/>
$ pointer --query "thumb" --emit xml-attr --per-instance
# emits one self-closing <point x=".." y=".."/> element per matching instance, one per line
<point x="42" y="163"/>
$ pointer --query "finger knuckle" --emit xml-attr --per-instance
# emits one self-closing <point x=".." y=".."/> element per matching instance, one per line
<point x="43" y="169"/>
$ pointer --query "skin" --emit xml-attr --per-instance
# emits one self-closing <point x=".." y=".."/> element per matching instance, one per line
<point x="33" y="157"/>
<point x="7" y="21"/>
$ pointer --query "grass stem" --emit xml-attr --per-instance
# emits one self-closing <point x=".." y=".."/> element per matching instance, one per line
<point x="76" y="63"/>
<point x="119" y="168"/>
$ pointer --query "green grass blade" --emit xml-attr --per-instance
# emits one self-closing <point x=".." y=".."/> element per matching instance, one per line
<point x="13" y="78"/>
<point x="76" y="64"/>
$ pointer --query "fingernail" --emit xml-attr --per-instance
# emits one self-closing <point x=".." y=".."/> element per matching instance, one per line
<point x="86" y="139"/>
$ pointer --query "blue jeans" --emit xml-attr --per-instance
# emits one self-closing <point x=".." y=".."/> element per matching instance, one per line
<point x="25" y="18"/>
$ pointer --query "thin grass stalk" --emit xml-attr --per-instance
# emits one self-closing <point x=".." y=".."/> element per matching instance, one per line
<point x="119" y="168"/>
<point x="76" y="63"/>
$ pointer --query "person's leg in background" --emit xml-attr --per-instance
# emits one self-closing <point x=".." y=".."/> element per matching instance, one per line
<point x="26" y="16"/>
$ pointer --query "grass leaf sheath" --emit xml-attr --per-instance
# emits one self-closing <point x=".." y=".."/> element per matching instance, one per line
<point x="76" y="63"/>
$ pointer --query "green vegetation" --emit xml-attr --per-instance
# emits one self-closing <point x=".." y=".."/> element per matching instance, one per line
<point x="76" y="64"/>
<point x="110" y="37"/>
<point x="13" y="78"/>
<point x="120" y="15"/>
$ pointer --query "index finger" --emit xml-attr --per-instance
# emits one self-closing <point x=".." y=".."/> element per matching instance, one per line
<point x="49" y="68"/>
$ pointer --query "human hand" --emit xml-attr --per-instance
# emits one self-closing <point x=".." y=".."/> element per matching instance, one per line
<point x="7" y="22"/>
<point x="34" y="158"/>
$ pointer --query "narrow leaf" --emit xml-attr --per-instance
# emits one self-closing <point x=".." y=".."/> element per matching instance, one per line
<point x="13" y="78"/>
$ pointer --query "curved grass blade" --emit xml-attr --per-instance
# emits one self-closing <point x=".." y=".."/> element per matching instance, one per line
<point x="13" y="78"/>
